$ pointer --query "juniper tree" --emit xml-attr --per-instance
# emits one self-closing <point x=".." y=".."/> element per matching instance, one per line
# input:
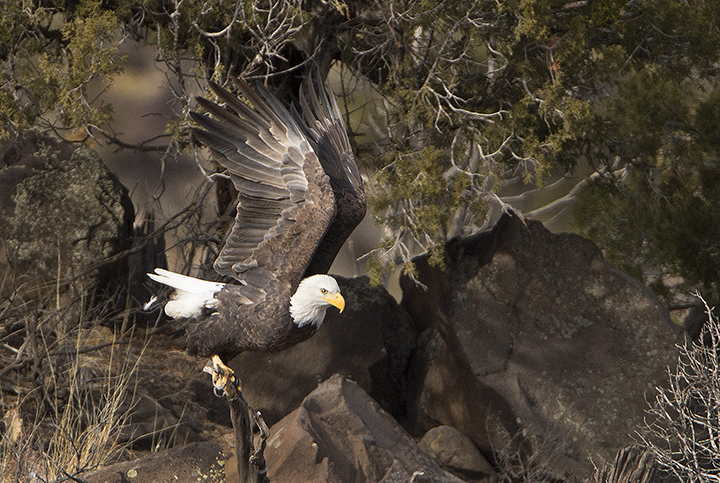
<point x="471" y="94"/>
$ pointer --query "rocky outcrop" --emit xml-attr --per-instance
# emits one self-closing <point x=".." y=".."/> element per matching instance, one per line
<point x="339" y="434"/>
<point x="62" y="213"/>
<point x="538" y="328"/>
<point x="523" y="343"/>
<point x="527" y="343"/>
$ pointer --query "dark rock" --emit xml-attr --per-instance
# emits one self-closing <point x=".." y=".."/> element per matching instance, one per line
<point x="62" y="212"/>
<point x="174" y="402"/>
<point x="446" y="391"/>
<point x="423" y="303"/>
<point x="339" y="434"/>
<point x="74" y="205"/>
<point x="20" y="158"/>
<point x="570" y="343"/>
<point x="453" y="450"/>
<point x="351" y="344"/>
<point x="149" y="424"/>
<point x="185" y="464"/>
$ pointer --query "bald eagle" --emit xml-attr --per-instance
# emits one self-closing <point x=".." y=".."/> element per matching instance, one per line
<point x="300" y="195"/>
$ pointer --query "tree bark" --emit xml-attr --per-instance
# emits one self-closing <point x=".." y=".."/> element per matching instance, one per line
<point x="251" y="464"/>
<point x="633" y="464"/>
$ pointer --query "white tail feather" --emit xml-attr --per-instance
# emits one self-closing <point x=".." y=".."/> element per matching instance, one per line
<point x="191" y="294"/>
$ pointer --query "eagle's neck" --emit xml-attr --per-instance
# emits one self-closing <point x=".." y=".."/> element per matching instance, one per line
<point x="305" y="310"/>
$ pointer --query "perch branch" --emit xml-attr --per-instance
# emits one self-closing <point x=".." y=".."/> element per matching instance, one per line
<point x="252" y="467"/>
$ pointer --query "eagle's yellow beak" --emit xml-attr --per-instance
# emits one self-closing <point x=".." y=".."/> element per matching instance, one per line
<point x="337" y="300"/>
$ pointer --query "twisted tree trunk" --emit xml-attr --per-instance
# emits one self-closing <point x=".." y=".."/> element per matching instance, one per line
<point x="251" y="464"/>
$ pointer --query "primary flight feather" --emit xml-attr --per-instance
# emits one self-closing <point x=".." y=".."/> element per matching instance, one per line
<point x="300" y="195"/>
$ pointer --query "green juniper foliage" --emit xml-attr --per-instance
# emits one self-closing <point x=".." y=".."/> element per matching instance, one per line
<point x="473" y="93"/>
<point x="51" y="53"/>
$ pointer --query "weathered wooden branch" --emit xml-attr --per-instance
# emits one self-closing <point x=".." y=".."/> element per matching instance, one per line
<point x="633" y="464"/>
<point x="251" y="464"/>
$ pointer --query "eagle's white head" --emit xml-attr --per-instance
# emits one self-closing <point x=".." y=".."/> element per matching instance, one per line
<point x="312" y="298"/>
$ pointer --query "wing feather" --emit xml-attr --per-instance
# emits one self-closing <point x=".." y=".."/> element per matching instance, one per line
<point x="242" y="158"/>
<point x="285" y="201"/>
<point x="328" y="137"/>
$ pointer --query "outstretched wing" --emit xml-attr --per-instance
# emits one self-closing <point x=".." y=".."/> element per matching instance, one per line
<point x="285" y="202"/>
<point x="328" y="137"/>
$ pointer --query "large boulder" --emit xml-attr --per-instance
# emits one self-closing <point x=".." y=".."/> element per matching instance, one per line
<point x="62" y="212"/>
<point x="339" y="434"/>
<point x="538" y="328"/>
<point x="352" y="344"/>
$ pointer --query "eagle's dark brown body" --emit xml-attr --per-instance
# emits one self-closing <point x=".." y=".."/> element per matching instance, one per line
<point x="300" y="195"/>
<point x="236" y="327"/>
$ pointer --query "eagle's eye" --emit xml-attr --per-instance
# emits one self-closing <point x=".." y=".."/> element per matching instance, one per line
<point x="323" y="291"/>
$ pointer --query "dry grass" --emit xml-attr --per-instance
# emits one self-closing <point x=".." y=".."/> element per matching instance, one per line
<point x="524" y="458"/>
<point x="86" y="435"/>
<point x="67" y="386"/>
<point x="72" y="422"/>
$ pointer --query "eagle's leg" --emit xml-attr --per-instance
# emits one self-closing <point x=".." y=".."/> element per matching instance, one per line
<point x="250" y="461"/>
